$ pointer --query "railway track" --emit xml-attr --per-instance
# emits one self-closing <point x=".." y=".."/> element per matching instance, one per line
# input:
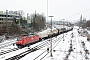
<point x="8" y="51"/>
<point x="43" y="44"/>
<point x="45" y="53"/>
<point x="6" y="44"/>
<point x="17" y="57"/>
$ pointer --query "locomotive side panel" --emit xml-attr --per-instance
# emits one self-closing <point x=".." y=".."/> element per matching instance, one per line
<point x="36" y="38"/>
<point x="23" y="41"/>
<point x="30" y="39"/>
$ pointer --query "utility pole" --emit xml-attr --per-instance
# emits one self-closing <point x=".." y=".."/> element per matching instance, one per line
<point x="35" y="20"/>
<point x="19" y="18"/>
<point x="80" y="24"/>
<point x="47" y="9"/>
<point x="7" y="22"/>
<point x="27" y="20"/>
<point x="63" y="28"/>
<point x="51" y="38"/>
<point x="67" y="22"/>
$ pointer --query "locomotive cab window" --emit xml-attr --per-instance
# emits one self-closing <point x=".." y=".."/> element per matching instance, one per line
<point x="31" y="34"/>
<point x="19" y="38"/>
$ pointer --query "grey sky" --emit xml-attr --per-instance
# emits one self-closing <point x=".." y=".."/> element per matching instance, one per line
<point x="60" y="9"/>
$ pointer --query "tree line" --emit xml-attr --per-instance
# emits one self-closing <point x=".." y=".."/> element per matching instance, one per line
<point x="38" y="22"/>
<point x="19" y="27"/>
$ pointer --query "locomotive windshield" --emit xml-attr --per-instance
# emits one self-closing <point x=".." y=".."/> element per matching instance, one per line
<point x="19" y="38"/>
<point x="31" y="34"/>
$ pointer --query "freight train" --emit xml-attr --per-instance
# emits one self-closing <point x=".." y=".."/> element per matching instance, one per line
<point x="27" y="40"/>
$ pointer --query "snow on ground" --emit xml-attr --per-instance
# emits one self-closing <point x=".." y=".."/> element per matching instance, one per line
<point x="7" y="42"/>
<point x="60" y="52"/>
<point x="72" y="47"/>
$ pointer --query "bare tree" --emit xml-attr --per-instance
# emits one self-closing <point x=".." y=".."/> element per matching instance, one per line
<point x="38" y="21"/>
<point x="21" y="12"/>
<point x="15" y="29"/>
<point x="88" y="23"/>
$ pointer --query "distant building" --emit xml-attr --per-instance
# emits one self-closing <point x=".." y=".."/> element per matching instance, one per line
<point x="11" y="15"/>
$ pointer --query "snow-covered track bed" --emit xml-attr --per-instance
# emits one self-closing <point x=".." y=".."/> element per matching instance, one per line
<point x="37" y="47"/>
<point x="47" y="51"/>
<point x="7" y="43"/>
<point x="8" y="51"/>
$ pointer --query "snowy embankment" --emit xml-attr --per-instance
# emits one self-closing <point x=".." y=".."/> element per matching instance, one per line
<point x="8" y="42"/>
<point x="73" y="47"/>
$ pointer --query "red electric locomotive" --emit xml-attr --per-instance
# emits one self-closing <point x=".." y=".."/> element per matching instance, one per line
<point x="26" y="40"/>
